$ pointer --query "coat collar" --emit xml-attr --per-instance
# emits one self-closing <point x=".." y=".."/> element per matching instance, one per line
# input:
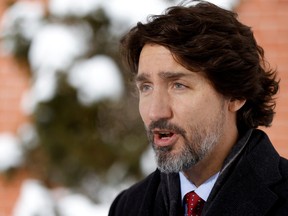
<point x="245" y="188"/>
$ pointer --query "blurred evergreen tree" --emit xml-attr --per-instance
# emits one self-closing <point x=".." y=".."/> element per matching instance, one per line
<point x="76" y="140"/>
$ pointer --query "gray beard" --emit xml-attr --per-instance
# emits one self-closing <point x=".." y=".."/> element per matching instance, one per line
<point x="201" y="143"/>
<point x="169" y="162"/>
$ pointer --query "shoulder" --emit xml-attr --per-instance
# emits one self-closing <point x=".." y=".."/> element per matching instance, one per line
<point x="283" y="166"/>
<point x="270" y="165"/>
<point x="133" y="198"/>
<point x="280" y="189"/>
<point x="263" y="156"/>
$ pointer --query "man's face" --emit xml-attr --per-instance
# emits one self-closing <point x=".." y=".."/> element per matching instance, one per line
<point x="184" y="116"/>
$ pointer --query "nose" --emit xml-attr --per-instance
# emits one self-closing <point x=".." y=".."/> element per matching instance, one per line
<point x="160" y="107"/>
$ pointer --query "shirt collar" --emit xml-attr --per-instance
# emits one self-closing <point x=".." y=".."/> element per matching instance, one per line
<point x="202" y="191"/>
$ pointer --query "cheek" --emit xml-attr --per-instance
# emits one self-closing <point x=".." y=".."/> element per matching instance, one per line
<point x="185" y="107"/>
<point x="143" y="110"/>
<point x="193" y="111"/>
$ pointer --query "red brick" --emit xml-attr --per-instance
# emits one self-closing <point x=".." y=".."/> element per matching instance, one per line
<point x="268" y="20"/>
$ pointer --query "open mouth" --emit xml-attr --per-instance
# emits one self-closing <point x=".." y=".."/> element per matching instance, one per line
<point x="164" y="134"/>
<point x="164" y="138"/>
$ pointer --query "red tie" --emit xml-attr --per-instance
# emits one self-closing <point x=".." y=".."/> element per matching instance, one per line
<point x="194" y="204"/>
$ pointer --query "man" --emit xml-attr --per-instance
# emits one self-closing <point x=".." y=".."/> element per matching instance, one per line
<point x="204" y="88"/>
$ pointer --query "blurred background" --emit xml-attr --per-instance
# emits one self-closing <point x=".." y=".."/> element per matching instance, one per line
<point x="70" y="134"/>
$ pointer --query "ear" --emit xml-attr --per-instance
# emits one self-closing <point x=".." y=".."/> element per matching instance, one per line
<point x="235" y="104"/>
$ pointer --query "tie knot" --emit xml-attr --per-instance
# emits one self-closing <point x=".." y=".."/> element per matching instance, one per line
<point x="194" y="204"/>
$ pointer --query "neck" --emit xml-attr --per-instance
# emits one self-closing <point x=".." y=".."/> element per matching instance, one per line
<point x="213" y="162"/>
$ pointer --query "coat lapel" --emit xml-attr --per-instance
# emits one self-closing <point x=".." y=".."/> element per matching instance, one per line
<point x="170" y="196"/>
<point x="243" y="194"/>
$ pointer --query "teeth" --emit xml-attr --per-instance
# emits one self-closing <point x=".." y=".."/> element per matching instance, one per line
<point x="164" y="133"/>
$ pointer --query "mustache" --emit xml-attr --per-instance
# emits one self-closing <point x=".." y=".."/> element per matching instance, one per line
<point x="163" y="124"/>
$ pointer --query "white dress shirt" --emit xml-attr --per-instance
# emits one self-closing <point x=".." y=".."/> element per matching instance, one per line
<point x="202" y="191"/>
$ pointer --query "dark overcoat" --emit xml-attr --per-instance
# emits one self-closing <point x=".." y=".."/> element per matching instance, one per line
<point x="256" y="183"/>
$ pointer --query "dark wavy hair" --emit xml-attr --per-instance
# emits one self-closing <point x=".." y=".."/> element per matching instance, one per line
<point x="205" y="38"/>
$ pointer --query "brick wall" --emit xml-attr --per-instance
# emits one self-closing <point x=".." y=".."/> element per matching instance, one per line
<point x="269" y="21"/>
<point x="9" y="191"/>
<point x="13" y="82"/>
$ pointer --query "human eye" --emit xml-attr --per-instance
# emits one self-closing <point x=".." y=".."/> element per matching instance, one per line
<point x="144" y="87"/>
<point x="178" y="85"/>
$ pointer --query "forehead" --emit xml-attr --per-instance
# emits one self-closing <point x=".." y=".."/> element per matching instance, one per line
<point x="157" y="59"/>
<point x="154" y="53"/>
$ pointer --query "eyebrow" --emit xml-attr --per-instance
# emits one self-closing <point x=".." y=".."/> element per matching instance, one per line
<point x="142" y="77"/>
<point x="164" y="75"/>
<point x="173" y="75"/>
